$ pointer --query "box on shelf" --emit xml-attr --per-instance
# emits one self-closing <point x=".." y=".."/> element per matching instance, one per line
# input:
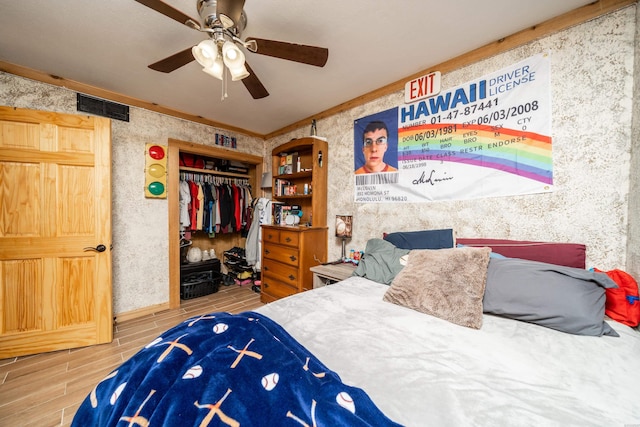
<point x="233" y="166"/>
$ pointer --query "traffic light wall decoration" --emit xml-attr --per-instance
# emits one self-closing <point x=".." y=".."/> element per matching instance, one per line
<point x="155" y="171"/>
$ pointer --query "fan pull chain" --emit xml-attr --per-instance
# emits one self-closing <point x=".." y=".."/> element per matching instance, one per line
<point x="224" y="85"/>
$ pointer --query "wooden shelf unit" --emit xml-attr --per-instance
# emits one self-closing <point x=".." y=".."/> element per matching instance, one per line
<point x="313" y="155"/>
<point x="288" y="252"/>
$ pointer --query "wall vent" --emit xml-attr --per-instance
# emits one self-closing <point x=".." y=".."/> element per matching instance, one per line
<point x="103" y="108"/>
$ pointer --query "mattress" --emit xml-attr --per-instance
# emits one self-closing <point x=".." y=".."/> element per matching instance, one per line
<point x="421" y="370"/>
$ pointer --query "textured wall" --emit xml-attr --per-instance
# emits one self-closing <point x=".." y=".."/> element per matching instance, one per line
<point x="592" y="82"/>
<point x="140" y="225"/>
<point x="633" y="246"/>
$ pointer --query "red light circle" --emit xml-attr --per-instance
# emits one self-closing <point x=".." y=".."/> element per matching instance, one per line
<point x="156" y="152"/>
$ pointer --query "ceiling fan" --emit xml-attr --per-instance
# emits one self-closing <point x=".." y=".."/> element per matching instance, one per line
<point x="223" y="21"/>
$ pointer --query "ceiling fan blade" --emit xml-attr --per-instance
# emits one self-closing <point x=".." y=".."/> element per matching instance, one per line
<point x="254" y="85"/>
<point x="166" y="10"/>
<point x="311" y="55"/>
<point x="231" y="9"/>
<point x="173" y="62"/>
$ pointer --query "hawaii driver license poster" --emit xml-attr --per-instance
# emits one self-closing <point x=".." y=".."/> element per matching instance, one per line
<point x="489" y="137"/>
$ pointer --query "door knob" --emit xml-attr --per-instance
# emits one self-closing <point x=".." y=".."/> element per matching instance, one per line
<point x="99" y="248"/>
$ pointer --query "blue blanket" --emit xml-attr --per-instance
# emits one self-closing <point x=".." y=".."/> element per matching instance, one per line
<point x="231" y="370"/>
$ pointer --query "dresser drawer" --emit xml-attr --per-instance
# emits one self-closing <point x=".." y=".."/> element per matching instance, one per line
<point x="289" y="238"/>
<point x="285" y="237"/>
<point x="276" y="288"/>
<point x="287" y="255"/>
<point x="282" y="272"/>
<point x="270" y="235"/>
<point x="283" y="254"/>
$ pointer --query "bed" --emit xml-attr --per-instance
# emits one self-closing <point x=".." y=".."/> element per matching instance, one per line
<point x="364" y="359"/>
<point x="421" y="370"/>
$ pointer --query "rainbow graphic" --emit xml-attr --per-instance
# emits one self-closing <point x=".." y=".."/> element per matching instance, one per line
<point x="516" y="152"/>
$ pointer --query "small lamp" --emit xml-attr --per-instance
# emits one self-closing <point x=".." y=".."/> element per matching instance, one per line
<point x="344" y="224"/>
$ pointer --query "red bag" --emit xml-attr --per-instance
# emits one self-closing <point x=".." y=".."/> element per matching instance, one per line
<point x="191" y="161"/>
<point x="622" y="303"/>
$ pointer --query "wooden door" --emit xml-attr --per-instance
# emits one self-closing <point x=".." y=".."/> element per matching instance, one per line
<point x="55" y="231"/>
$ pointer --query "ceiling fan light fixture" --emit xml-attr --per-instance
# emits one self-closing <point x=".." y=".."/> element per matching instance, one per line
<point x="223" y="21"/>
<point x="238" y="73"/>
<point x="205" y="53"/>
<point x="232" y="55"/>
<point x="216" y="70"/>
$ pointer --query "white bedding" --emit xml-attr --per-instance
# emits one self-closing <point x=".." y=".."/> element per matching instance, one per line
<point x="424" y="371"/>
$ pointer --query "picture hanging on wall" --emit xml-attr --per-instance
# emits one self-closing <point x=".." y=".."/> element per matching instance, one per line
<point x="489" y="137"/>
<point x="226" y="141"/>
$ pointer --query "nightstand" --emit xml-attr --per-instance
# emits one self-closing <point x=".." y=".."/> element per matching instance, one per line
<point x="331" y="273"/>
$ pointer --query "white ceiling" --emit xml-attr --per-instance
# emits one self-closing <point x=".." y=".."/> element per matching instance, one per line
<point x="108" y="44"/>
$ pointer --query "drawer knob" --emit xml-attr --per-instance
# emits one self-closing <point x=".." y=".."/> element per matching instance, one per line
<point x="292" y="258"/>
<point x="265" y="284"/>
<point x="292" y="277"/>
<point x="266" y="251"/>
<point x="265" y="268"/>
<point x="288" y="239"/>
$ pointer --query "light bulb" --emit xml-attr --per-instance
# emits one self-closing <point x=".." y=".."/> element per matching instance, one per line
<point x="205" y="52"/>
<point x="233" y="57"/>
<point x="232" y="54"/>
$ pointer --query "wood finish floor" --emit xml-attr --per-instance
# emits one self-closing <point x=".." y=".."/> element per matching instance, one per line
<point x="47" y="389"/>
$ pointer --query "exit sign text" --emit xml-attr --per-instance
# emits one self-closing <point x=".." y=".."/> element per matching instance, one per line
<point x="422" y="87"/>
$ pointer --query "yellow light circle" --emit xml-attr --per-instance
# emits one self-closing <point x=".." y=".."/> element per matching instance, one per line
<point x="156" y="170"/>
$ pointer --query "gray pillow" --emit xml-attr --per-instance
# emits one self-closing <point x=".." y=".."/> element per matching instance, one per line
<point x="380" y="262"/>
<point x="563" y="298"/>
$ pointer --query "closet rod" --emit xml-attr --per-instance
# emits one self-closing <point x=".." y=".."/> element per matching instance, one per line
<point x="214" y="172"/>
<point x="213" y="179"/>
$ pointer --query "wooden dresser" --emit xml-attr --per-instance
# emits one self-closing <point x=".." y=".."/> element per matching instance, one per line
<point x="289" y="251"/>
<point x="287" y="255"/>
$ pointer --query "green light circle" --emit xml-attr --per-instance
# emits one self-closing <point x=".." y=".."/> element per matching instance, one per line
<point x="156" y="188"/>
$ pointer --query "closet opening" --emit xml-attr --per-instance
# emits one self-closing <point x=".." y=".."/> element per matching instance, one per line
<point x="202" y="251"/>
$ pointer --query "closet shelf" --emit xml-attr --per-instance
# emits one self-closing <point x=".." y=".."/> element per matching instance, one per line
<point x="294" y="175"/>
<point x="213" y="172"/>
<point x="295" y="196"/>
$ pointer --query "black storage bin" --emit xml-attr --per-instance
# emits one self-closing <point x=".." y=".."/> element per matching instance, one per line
<point x="199" y="279"/>
<point x="199" y="286"/>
